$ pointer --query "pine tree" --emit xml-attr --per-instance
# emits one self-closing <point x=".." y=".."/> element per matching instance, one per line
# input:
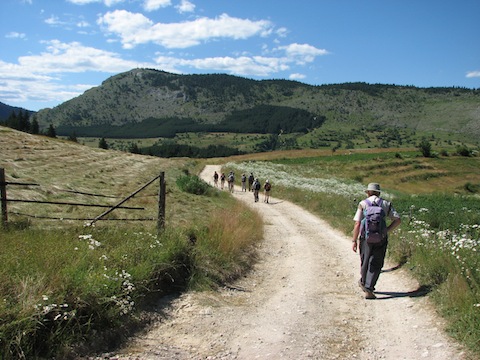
<point x="51" y="132"/>
<point x="13" y="121"/>
<point x="102" y="144"/>
<point x="34" y="127"/>
<point x="23" y="121"/>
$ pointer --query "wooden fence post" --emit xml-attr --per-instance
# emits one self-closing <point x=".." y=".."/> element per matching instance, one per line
<point x="3" y="196"/>
<point x="161" y="203"/>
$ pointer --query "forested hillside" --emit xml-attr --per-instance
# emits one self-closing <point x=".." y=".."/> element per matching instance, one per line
<point x="144" y="101"/>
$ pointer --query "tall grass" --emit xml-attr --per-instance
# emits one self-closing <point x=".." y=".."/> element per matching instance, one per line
<point x="61" y="287"/>
<point x="439" y="236"/>
<point x="441" y="242"/>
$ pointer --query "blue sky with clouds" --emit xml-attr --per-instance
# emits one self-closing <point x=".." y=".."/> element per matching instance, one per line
<point x="54" y="50"/>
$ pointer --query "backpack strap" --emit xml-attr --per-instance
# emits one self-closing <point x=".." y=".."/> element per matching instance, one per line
<point x="378" y="202"/>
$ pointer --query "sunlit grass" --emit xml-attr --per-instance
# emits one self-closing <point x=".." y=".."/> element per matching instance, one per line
<point x="62" y="286"/>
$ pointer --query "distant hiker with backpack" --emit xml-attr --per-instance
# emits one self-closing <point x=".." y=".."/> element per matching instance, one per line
<point x="251" y="178"/>
<point x="231" y="181"/>
<point x="372" y="230"/>
<point x="244" y="183"/>
<point x="256" y="188"/>
<point x="215" y="179"/>
<point x="267" y="187"/>
<point x="222" y="180"/>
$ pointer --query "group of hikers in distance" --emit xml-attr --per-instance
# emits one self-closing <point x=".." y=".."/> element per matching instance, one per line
<point x="253" y="183"/>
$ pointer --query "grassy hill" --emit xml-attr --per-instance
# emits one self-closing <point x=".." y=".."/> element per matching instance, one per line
<point x="141" y="101"/>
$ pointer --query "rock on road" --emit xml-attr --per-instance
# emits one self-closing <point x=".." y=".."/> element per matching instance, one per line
<point x="301" y="301"/>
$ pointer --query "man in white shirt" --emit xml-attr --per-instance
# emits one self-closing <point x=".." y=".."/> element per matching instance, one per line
<point x="372" y="256"/>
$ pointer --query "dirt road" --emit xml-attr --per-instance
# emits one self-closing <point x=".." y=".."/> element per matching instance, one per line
<point x="301" y="301"/>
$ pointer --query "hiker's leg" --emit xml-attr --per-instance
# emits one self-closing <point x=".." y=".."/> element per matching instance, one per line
<point x="375" y="265"/>
<point x="364" y="260"/>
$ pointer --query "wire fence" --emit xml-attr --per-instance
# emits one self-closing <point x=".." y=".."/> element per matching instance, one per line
<point x="160" y="218"/>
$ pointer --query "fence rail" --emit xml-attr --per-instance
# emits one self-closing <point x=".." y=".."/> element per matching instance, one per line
<point x="161" y="202"/>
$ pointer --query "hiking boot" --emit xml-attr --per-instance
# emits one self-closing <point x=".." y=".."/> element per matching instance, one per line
<point x="362" y="286"/>
<point x="368" y="293"/>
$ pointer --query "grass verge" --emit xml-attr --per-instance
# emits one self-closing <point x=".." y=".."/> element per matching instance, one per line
<point x="86" y="285"/>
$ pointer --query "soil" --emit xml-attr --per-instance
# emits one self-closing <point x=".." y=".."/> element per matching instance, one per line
<point x="301" y="301"/>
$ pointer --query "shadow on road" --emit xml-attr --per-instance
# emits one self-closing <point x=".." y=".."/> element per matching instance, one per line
<point x="421" y="291"/>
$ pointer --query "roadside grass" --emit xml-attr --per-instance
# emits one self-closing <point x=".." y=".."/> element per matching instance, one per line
<point x="65" y="284"/>
<point x="64" y="287"/>
<point x="438" y="240"/>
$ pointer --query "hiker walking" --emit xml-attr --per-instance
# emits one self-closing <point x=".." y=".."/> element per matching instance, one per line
<point x="251" y="178"/>
<point x="267" y="187"/>
<point x="244" y="183"/>
<point x="222" y="180"/>
<point x="231" y="181"/>
<point x="256" y="188"/>
<point x="215" y="179"/>
<point x="370" y="227"/>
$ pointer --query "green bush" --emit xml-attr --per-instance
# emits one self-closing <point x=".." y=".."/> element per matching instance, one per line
<point x="193" y="184"/>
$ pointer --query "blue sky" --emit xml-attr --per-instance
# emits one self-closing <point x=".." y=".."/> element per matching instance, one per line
<point x="54" y="50"/>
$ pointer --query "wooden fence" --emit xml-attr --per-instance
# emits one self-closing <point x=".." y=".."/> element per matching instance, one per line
<point x="4" y="199"/>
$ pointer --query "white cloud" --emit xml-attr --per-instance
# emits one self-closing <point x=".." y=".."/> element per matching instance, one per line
<point x="54" y="21"/>
<point x="185" y="7"/>
<point x="152" y="5"/>
<point x="297" y="76"/>
<point x="112" y="2"/>
<point x="83" y="2"/>
<point x="83" y="24"/>
<point x="106" y="2"/>
<point x="74" y="57"/>
<point x="15" y="35"/>
<point x="282" y="32"/>
<point x="38" y="77"/>
<point x="19" y="84"/>
<point x="473" y="74"/>
<point x="302" y="53"/>
<point x="242" y="65"/>
<point x="134" y="29"/>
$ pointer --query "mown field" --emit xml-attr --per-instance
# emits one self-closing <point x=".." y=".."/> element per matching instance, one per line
<point x="438" y="198"/>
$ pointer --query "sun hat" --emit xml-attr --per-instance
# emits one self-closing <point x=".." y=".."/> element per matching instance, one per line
<point x="373" y="187"/>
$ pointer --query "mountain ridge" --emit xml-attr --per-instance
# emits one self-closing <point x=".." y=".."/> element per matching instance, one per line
<point x="140" y="94"/>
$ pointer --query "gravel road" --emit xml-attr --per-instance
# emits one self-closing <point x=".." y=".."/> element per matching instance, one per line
<point x="301" y="301"/>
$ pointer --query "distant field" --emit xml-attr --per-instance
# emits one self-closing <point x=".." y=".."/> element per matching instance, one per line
<point x="328" y="138"/>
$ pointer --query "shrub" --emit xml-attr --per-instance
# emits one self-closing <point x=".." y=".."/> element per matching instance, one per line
<point x="425" y="147"/>
<point x="193" y="185"/>
<point x="463" y="150"/>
